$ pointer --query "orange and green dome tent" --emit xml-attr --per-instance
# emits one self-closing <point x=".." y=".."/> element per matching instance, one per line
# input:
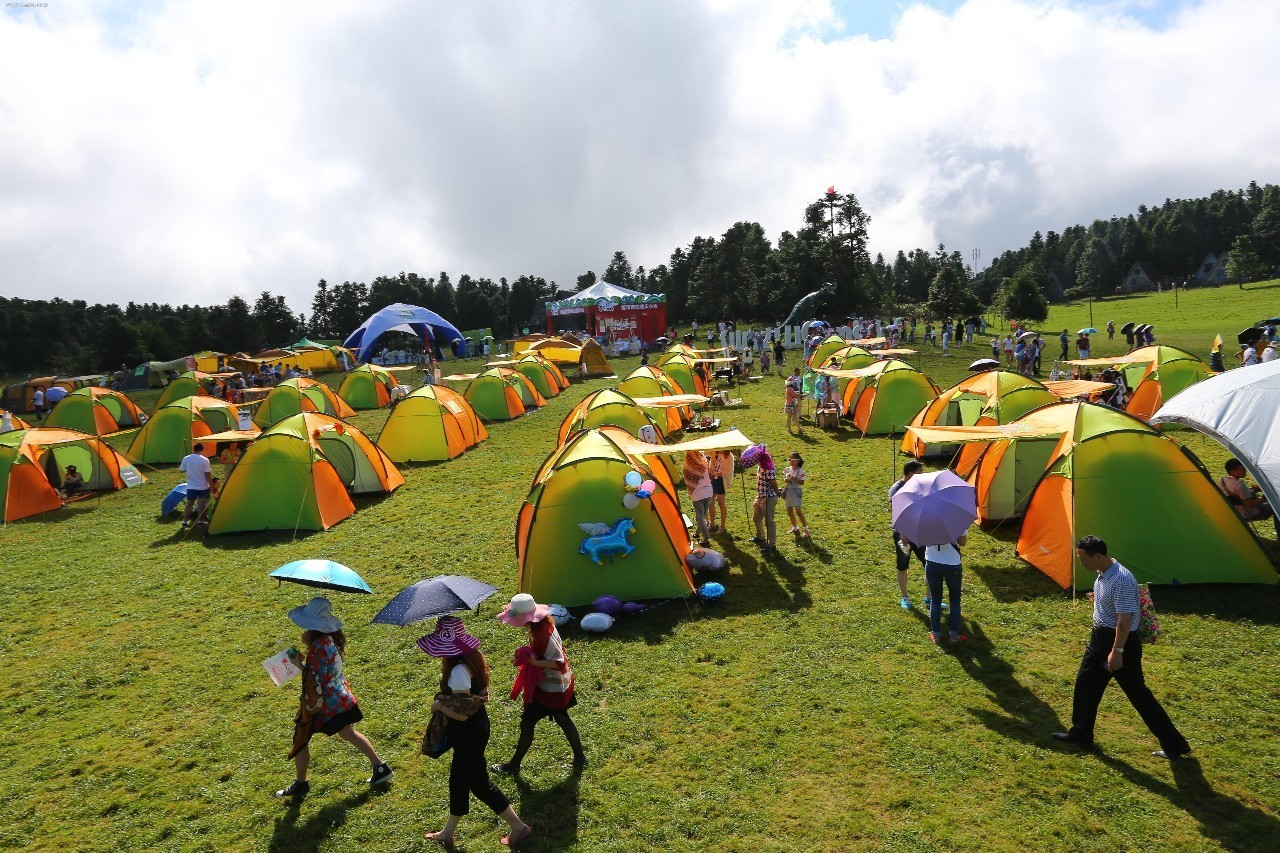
<point x="193" y="383"/>
<point x="295" y="396"/>
<point x="583" y="482"/>
<point x="1167" y="371"/>
<point x="493" y="397"/>
<point x="368" y="387"/>
<point x="175" y="428"/>
<point x="544" y="375"/>
<point x="825" y="349"/>
<point x="886" y="396"/>
<point x="685" y="372"/>
<point x="32" y="460"/>
<point x="649" y="381"/>
<point x="530" y="398"/>
<point x="97" y="411"/>
<point x="1072" y="469"/>
<point x="299" y="474"/>
<point x="991" y="397"/>
<point x="607" y="407"/>
<point x="433" y="423"/>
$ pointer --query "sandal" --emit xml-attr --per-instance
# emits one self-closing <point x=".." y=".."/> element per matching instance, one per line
<point x="435" y="836"/>
<point x="514" y="839"/>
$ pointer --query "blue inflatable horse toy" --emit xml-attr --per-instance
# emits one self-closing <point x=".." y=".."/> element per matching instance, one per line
<point x="605" y="541"/>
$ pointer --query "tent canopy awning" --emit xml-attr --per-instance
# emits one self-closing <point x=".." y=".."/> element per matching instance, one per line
<point x="231" y="435"/>
<point x="671" y="401"/>
<point x="1065" y="389"/>
<point x="994" y="432"/>
<point x="859" y="373"/>
<point x="731" y="440"/>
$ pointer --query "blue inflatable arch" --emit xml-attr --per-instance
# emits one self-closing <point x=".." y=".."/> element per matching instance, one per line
<point x="433" y="329"/>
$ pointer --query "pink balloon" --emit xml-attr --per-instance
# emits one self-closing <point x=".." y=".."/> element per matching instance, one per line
<point x="649" y="486"/>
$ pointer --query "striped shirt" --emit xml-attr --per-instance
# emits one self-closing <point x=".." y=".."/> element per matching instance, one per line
<point x="1115" y="592"/>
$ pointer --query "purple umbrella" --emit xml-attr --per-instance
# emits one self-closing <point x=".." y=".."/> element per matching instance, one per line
<point x="933" y="509"/>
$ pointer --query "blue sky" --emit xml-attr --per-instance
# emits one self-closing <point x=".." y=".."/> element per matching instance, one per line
<point x="876" y="19"/>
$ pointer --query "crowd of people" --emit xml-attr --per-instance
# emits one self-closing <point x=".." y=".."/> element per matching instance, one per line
<point x="544" y="682"/>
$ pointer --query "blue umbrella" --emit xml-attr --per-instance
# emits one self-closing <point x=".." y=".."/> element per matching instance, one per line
<point x="325" y="574"/>
<point x="438" y="596"/>
<point x="171" y="500"/>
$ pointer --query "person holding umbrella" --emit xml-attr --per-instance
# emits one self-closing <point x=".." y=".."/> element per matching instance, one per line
<point x="935" y="510"/>
<point x="328" y="706"/>
<point x="554" y="694"/>
<point x="464" y="685"/>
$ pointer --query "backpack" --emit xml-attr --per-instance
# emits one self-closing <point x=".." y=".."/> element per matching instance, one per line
<point x="1148" y="624"/>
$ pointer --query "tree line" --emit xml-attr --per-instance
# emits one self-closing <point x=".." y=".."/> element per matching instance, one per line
<point x="740" y="274"/>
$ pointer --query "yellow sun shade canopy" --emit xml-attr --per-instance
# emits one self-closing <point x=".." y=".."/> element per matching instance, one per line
<point x="731" y="440"/>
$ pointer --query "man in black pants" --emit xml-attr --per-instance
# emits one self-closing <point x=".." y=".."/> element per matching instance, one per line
<point x="901" y="550"/>
<point x="1115" y="651"/>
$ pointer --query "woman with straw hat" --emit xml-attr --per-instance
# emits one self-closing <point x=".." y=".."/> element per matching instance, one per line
<point x="465" y="673"/>
<point x="554" y="695"/>
<point x="328" y="706"/>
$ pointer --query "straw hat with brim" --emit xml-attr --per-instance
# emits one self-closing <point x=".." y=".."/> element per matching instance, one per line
<point x="449" y="639"/>
<point x="523" y="609"/>
<point x="316" y="615"/>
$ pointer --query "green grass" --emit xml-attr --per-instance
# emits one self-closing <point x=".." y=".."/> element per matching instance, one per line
<point x="806" y="712"/>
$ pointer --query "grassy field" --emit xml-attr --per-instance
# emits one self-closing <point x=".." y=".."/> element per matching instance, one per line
<point x="806" y="712"/>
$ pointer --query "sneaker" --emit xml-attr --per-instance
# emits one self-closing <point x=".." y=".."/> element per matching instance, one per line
<point x="805" y="533"/>
<point x="295" y="789"/>
<point x="928" y="602"/>
<point x="905" y="603"/>
<point x="381" y="774"/>
<point x="757" y="540"/>
<point x="185" y="525"/>
<point x="794" y="530"/>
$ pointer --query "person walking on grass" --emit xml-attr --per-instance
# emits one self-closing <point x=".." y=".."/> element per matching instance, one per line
<point x="902" y="549"/>
<point x="942" y="566"/>
<point x="791" y="405"/>
<point x="1115" y="651"/>
<point x="793" y="478"/>
<point x="328" y="706"/>
<point x="464" y="690"/>
<point x="779" y="355"/>
<point x="721" y="479"/>
<point x="554" y="695"/>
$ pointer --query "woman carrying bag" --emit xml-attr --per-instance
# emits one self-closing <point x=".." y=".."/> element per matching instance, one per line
<point x="465" y="674"/>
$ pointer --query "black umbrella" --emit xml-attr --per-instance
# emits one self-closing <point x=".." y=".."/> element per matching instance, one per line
<point x="984" y="364"/>
<point x="1249" y="336"/>
<point x="1127" y="328"/>
<point x="438" y="596"/>
<point x="1270" y="321"/>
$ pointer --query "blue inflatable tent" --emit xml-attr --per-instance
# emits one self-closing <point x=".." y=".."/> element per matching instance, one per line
<point x="428" y="325"/>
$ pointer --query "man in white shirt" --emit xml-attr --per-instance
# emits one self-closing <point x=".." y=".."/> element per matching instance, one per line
<point x="199" y="480"/>
<point x="37" y="400"/>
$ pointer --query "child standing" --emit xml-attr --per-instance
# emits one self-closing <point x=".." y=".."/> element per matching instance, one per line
<point x="792" y="405"/>
<point x="794" y="478"/>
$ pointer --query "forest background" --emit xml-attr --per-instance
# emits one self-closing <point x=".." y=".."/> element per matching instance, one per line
<point x="740" y="274"/>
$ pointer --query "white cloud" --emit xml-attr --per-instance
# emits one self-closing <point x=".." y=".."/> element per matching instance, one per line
<point x="192" y="151"/>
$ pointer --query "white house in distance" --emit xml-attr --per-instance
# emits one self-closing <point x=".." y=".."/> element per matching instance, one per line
<point x="1213" y="270"/>
<point x="1142" y="276"/>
